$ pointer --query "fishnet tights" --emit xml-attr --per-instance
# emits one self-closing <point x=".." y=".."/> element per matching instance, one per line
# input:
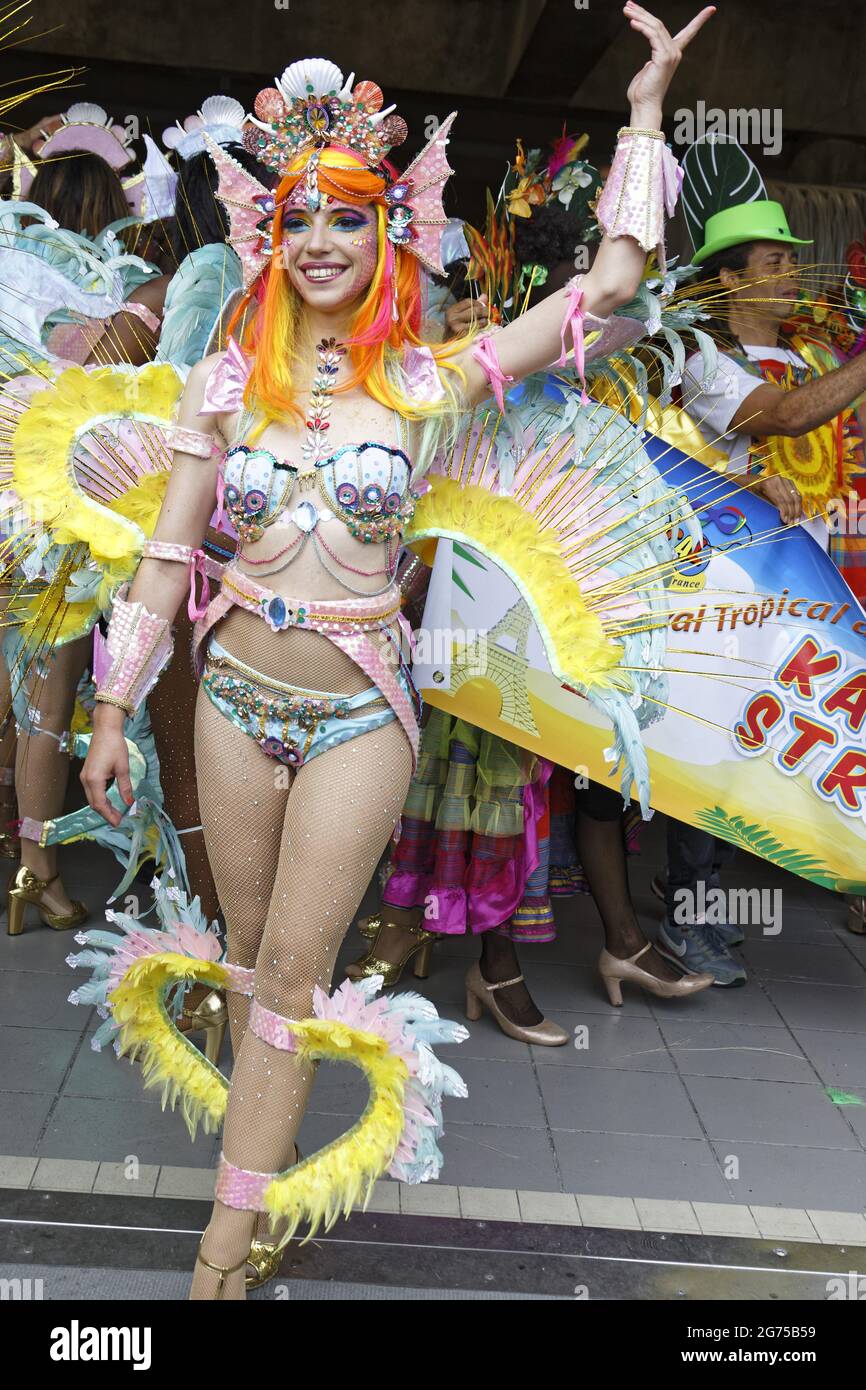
<point x="292" y="857"/>
<point x="41" y="769"/>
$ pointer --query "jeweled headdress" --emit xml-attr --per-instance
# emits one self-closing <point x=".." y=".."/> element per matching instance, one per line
<point x="310" y="108"/>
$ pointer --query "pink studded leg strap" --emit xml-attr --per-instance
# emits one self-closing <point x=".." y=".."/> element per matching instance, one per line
<point x="240" y="979"/>
<point x="239" y="1188"/>
<point x="271" y="1028"/>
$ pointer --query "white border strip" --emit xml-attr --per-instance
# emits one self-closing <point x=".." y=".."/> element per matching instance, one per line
<point x="470" y="1203"/>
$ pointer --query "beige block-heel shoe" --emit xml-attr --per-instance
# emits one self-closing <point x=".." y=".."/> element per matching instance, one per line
<point x="480" y="994"/>
<point x="613" y="971"/>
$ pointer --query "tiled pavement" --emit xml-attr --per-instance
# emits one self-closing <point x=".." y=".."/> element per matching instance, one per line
<point x="716" y="1103"/>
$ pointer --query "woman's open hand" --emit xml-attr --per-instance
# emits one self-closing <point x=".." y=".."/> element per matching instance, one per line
<point x="648" y="88"/>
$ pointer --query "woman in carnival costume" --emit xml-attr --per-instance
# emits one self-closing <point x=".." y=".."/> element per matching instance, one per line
<point x="316" y="438"/>
<point x="92" y="305"/>
<point x="87" y="302"/>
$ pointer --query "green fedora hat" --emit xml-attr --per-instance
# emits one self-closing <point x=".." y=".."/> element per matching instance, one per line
<point x="761" y="220"/>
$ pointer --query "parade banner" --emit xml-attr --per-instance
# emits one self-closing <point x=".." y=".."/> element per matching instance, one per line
<point x="762" y="736"/>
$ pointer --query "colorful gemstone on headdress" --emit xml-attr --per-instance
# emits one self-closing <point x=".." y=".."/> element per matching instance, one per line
<point x="318" y="118"/>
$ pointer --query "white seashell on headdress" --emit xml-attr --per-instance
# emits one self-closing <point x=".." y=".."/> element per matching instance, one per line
<point x="87" y="113"/>
<point x="220" y="117"/>
<point x="313" y="77"/>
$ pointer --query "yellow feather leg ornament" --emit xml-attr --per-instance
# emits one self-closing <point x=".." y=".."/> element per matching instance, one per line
<point x="577" y="647"/>
<point x="341" y="1176"/>
<point x="148" y="1035"/>
<point x="332" y="1181"/>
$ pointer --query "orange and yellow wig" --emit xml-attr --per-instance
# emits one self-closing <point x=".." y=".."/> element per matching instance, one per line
<point x="387" y="319"/>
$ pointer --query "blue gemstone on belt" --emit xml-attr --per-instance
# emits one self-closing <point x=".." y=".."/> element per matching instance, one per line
<point x="277" y="611"/>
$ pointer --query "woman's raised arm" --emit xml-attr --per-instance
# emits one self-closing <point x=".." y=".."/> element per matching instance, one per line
<point x="636" y="186"/>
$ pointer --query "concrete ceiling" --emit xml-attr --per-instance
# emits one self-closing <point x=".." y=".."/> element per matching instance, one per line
<point x="512" y="67"/>
<point x="804" y="56"/>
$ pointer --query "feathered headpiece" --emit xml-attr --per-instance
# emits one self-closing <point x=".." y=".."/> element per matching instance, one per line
<point x="310" y="108"/>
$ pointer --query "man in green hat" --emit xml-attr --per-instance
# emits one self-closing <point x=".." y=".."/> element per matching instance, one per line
<point x="780" y="409"/>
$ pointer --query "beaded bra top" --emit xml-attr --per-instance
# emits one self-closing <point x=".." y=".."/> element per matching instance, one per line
<point x="365" y="485"/>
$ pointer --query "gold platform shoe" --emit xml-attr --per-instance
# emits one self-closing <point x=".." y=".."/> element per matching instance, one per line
<point x="265" y="1258"/>
<point x="27" y="888"/>
<point x="210" y="1017"/>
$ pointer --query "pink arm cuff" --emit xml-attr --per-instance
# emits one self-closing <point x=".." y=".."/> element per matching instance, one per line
<point x="141" y="311"/>
<point x="139" y="647"/>
<point x="643" y="184"/>
<point x="185" y="555"/>
<point x="485" y="354"/>
<point x="195" y="442"/>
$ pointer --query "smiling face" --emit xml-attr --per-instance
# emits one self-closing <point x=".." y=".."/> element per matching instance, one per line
<point x="330" y="255"/>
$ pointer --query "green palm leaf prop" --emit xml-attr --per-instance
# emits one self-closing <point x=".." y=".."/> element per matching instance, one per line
<point x="758" y="840"/>
<point x="717" y="174"/>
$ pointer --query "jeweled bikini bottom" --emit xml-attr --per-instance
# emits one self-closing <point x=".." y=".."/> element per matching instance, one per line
<point x="289" y="723"/>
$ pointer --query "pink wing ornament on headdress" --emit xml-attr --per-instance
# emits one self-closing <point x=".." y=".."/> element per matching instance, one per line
<point x="248" y="204"/>
<point x="416" y="217"/>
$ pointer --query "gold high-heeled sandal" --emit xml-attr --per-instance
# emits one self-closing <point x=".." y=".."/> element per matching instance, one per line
<point x="27" y="888"/>
<point x="210" y="1017"/>
<point x="372" y="925"/>
<point x="480" y="994"/>
<point x="265" y="1258"/>
<point x="371" y="964"/>
<point x="221" y="1270"/>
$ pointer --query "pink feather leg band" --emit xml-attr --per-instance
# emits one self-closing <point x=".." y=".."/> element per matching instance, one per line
<point x="185" y="555"/>
<point x="271" y="1028"/>
<point x="139" y="647"/>
<point x="643" y="184"/>
<point x="485" y="354"/>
